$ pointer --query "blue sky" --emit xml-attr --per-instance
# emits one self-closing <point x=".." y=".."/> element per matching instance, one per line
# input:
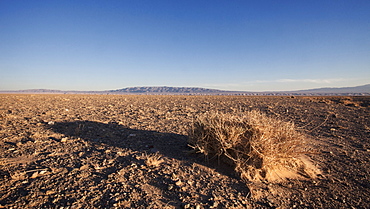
<point x="230" y="45"/>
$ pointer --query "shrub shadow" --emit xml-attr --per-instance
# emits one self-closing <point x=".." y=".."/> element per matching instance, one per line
<point x="167" y="144"/>
<point x="112" y="134"/>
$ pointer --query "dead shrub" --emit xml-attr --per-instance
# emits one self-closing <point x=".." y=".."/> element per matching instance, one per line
<point x="153" y="160"/>
<point x="259" y="147"/>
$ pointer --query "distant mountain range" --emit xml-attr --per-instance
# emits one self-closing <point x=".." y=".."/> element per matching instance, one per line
<point x="355" y="91"/>
<point x="167" y="89"/>
<point x="348" y="90"/>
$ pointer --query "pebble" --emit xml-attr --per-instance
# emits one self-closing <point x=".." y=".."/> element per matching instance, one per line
<point x="179" y="183"/>
<point x="84" y="167"/>
<point x="35" y="175"/>
<point x="50" y="192"/>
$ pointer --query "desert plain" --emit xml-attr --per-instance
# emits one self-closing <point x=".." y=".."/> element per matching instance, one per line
<point x="131" y="151"/>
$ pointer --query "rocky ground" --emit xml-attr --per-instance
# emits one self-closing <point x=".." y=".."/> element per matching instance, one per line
<point x="111" y="151"/>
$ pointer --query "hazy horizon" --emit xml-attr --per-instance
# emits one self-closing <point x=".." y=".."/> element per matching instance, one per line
<point x="133" y="87"/>
<point x="228" y="45"/>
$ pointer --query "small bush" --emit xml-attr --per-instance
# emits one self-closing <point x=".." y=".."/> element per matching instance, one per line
<point x="259" y="147"/>
<point x="153" y="160"/>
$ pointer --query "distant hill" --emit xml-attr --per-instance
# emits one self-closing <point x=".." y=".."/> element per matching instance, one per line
<point x="343" y="90"/>
<point x="40" y="91"/>
<point x="166" y="89"/>
<point x="356" y="91"/>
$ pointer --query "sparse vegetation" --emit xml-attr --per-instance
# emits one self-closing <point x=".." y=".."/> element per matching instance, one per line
<point x="153" y="160"/>
<point x="259" y="147"/>
<point x="129" y="151"/>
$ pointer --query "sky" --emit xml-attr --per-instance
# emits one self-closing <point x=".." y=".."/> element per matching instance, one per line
<point x="241" y="45"/>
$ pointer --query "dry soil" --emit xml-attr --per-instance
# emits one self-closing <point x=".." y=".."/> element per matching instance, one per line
<point x="125" y="151"/>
